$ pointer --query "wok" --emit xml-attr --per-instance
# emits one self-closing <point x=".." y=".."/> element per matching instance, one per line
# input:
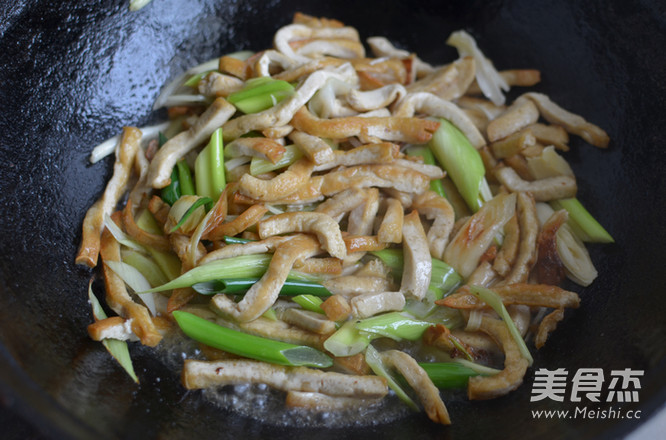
<point x="73" y="74"/>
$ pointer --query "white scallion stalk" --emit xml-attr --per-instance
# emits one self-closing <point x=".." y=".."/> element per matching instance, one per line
<point x="108" y="147"/>
<point x="136" y="281"/>
<point x="175" y="100"/>
<point x="177" y="83"/>
<point x="474" y="320"/>
<point x="135" y="5"/>
<point x="120" y="236"/>
<point x="236" y="162"/>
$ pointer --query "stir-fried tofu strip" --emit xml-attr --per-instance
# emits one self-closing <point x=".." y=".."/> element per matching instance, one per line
<point x="335" y="47"/>
<point x="315" y="22"/>
<point x="507" y="253"/>
<point x="418" y="263"/>
<point x="280" y="331"/>
<point x="264" y="293"/>
<point x="326" y="229"/>
<point x="519" y="115"/>
<point x="512" y="144"/>
<point x="549" y="267"/>
<point x="514" y="77"/>
<point x="119" y="299"/>
<point x="543" y="190"/>
<point x="432" y="171"/>
<point x="390" y="228"/>
<point x="127" y="148"/>
<point x="114" y="327"/>
<point x="352" y="285"/>
<point x="380" y="176"/>
<point x="573" y="123"/>
<point x="217" y="85"/>
<point x="295" y="32"/>
<point x="234" y="227"/>
<point x="263" y="148"/>
<point x="323" y="402"/>
<point x="382" y="47"/>
<point x="438" y="209"/>
<point x="449" y="82"/>
<point x="510" y="378"/>
<point x="342" y="203"/>
<point x="420" y="382"/>
<point x="363" y="101"/>
<point x="160" y="242"/>
<point x="361" y="219"/>
<point x="484" y="275"/>
<point x="476" y="235"/>
<point x="296" y="73"/>
<point x="384" y="152"/>
<point x="370" y="304"/>
<point x="320" y="265"/>
<point x="159" y="173"/>
<point x="337" y="308"/>
<point x="314" y="148"/>
<point x="368" y="129"/>
<point x="431" y="105"/>
<point x="529" y="231"/>
<point x="199" y="374"/>
<point x="533" y="295"/>
<point x="307" y="320"/>
<point x="547" y="325"/>
<point x="279" y="187"/>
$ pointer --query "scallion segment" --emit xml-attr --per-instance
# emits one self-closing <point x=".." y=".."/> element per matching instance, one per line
<point x="348" y="340"/>
<point x="209" y="174"/>
<point x="244" y="266"/>
<point x="200" y="202"/>
<point x="460" y="160"/>
<point x="260" y="94"/>
<point x="448" y="375"/>
<point x="171" y="193"/>
<point x="249" y="346"/>
<point x="185" y="178"/>
<point x="233" y="286"/>
<point x="586" y="227"/>
<point x="394" y="325"/>
<point x="494" y="301"/>
<point x="309" y="302"/>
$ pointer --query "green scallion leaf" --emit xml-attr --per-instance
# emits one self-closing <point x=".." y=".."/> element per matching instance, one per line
<point x="249" y="346"/>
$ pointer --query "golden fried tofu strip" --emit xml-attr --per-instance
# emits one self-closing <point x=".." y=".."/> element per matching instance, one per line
<point x="404" y="129"/>
<point x="515" y="366"/>
<point x="126" y="149"/>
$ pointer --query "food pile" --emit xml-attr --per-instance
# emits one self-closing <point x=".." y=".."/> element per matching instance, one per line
<point x="337" y="224"/>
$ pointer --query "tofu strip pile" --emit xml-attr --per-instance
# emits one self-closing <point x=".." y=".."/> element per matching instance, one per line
<point x="344" y="181"/>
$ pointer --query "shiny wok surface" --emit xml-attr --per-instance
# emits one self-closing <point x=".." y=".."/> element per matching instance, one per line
<point x="72" y="75"/>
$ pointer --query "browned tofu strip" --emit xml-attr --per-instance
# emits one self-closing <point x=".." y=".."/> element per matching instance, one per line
<point x="118" y="184"/>
<point x="515" y="366"/>
<point x="199" y="374"/>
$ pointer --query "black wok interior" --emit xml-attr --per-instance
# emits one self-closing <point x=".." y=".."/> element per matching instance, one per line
<point x="74" y="73"/>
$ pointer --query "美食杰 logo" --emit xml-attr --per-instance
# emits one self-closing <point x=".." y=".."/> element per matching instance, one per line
<point x="587" y="387"/>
